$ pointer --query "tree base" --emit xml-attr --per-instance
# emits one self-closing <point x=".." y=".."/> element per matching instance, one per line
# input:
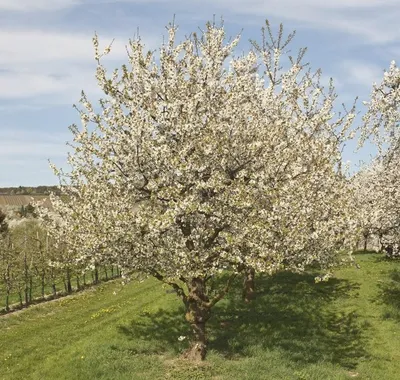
<point x="196" y="353"/>
<point x="249" y="296"/>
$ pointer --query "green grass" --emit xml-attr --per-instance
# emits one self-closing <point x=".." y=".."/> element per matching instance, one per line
<point x="348" y="327"/>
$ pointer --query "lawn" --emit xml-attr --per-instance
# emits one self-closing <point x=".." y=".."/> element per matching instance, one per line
<point x="348" y="327"/>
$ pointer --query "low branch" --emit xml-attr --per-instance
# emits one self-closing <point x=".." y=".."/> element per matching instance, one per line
<point x="222" y="294"/>
<point x="178" y="290"/>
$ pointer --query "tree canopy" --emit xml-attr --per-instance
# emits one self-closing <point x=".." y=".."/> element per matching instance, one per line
<point x="202" y="161"/>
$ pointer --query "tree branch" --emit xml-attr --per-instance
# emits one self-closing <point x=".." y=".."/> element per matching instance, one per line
<point x="178" y="290"/>
<point x="222" y="294"/>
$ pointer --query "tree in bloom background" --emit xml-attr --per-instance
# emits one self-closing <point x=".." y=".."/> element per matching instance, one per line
<point x="377" y="185"/>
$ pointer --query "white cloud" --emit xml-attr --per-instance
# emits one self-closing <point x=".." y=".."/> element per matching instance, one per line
<point x="42" y="88"/>
<point x="374" y="21"/>
<point x="28" y="149"/>
<point x="24" y="155"/>
<point x="32" y="142"/>
<point x="29" y="47"/>
<point x="36" y="5"/>
<point x="36" y="62"/>
<point x="361" y="73"/>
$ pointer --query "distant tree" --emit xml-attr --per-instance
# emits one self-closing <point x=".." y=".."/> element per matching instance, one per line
<point x="382" y="122"/>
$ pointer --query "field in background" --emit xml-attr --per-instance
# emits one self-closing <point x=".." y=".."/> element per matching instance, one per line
<point x="348" y="327"/>
<point x="22" y="200"/>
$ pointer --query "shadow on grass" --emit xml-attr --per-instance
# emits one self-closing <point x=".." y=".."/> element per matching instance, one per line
<point x="390" y="295"/>
<point x="367" y="252"/>
<point x="291" y="314"/>
<point x="383" y="258"/>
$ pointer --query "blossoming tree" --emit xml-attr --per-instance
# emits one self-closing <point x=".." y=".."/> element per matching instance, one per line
<point x="201" y="162"/>
<point x="383" y="180"/>
<point x="383" y="116"/>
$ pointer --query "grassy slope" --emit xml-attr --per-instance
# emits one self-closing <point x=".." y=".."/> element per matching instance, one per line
<point x="347" y="327"/>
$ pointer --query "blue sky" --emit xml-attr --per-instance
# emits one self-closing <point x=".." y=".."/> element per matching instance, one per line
<point x="46" y="58"/>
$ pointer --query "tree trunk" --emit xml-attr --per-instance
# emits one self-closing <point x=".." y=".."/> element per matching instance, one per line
<point x="42" y="283"/>
<point x="78" y="285"/>
<point x="248" y="285"/>
<point x="8" y="300"/>
<point x="197" y="314"/>
<point x="30" y="288"/>
<point x="380" y="242"/>
<point x="20" y="299"/>
<point x="69" y="285"/>
<point x="8" y="287"/>
<point x="53" y="286"/>
<point x="105" y="271"/>
<point x="365" y="242"/>
<point x="96" y="275"/>
<point x="26" y="292"/>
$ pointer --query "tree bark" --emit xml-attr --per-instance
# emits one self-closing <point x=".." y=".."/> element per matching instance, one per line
<point x="26" y="293"/>
<point x="26" y="277"/>
<point x="8" y="300"/>
<point x="249" y="285"/>
<point x="365" y="242"/>
<point x="42" y="281"/>
<point x="20" y="299"/>
<point x="30" y="288"/>
<point x="8" y="287"/>
<point x="198" y="310"/>
<point x="69" y="285"/>
<point x="380" y="242"/>
<point x="96" y="275"/>
<point x="197" y="314"/>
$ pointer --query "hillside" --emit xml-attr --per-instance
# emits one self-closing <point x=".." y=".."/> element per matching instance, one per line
<point x="16" y="197"/>
<point x="22" y="200"/>
<point x="29" y="190"/>
<point x="348" y="327"/>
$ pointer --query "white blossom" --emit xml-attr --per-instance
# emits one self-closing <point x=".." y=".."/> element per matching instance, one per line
<point x="202" y="161"/>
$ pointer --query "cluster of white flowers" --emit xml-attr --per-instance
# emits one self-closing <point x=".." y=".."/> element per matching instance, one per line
<point x="195" y="166"/>
<point x="383" y="115"/>
<point x="377" y="187"/>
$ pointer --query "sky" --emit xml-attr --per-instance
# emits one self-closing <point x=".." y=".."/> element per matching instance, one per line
<point x="46" y="59"/>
